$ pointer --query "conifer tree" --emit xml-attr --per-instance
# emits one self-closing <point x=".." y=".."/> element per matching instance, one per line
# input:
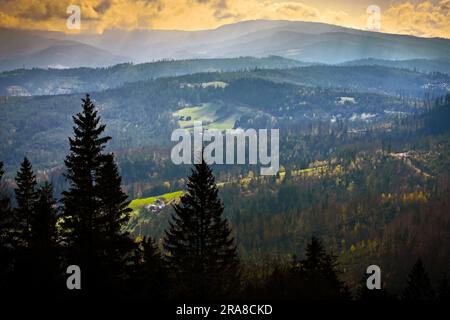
<point x="319" y="270"/>
<point x="200" y="251"/>
<point x="150" y="274"/>
<point x="313" y="278"/>
<point x="113" y="201"/>
<point x="26" y="198"/>
<point x="94" y="207"/>
<point x="418" y="285"/>
<point x="44" y="243"/>
<point x="114" y="215"/>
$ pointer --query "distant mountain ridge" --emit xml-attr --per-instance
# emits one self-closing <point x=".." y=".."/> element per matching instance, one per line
<point x="24" y="82"/>
<point x="26" y="49"/>
<point x="422" y="65"/>
<point x="305" y="41"/>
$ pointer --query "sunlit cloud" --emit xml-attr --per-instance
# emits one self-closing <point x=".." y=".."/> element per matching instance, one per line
<point x="422" y="18"/>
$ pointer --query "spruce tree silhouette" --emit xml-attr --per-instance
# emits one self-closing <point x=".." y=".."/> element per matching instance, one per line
<point x="44" y="244"/>
<point x="92" y="227"/>
<point x="114" y="215"/>
<point x="418" y="284"/>
<point x="315" y="256"/>
<point x="201" y="254"/>
<point x="150" y="275"/>
<point x="314" y="278"/>
<point x="6" y="234"/>
<point x="26" y="197"/>
<point x="320" y="275"/>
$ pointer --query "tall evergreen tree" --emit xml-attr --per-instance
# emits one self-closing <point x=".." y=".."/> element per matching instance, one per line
<point x="94" y="206"/>
<point x="200" y="251"/>
<point x="313" y="278"/>
<point x="320" y="270"/>
<point x="149" y="274"/>
<point x="26" y="197"/>
<point x="113" y="201"/>
<point x="44" y="243"/>
<point x="418" y="285"/>
<point x="114" y="215"/>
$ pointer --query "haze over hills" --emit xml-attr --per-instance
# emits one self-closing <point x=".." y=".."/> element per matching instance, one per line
<point x="422" y="65"/>
<point x="27" y="49"/>
<point x="51" y="82"/>
<point x="306" y="41"/>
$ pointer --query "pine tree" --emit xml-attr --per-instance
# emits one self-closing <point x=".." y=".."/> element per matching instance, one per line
<point x="200" y="251"/>
<point x="94" y="207"/>
<point x="44" y="243"/>
<point x="26" y="197"/>
<point x="418" y="285"/>
<point x="313" y="278"/>
<point x="315" y="255"/>
<point x="113" y="201"/>
<point x="150" y="274"/>
<point x="114" y="215"/>
<point x="318" y="272"/>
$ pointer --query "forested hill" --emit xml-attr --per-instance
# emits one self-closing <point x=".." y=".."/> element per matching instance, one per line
<point x="423" y="65"/>
<point x="379" y="74"/>
<point x="143" y="113"/>
<point x="81" y="80"/>
<point x="379" y="202"/>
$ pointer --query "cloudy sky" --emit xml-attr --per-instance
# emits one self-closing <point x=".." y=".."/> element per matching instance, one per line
<point x="429" y="18"/>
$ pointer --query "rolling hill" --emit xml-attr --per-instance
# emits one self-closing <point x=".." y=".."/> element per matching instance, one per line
<point x="306" y="41"/>
<point x="65" y="81"/>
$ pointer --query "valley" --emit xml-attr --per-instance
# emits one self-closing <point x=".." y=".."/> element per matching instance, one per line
<point x="364" y="135"/>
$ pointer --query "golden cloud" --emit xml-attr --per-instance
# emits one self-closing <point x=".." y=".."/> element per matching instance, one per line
<point x="423" y="18"/>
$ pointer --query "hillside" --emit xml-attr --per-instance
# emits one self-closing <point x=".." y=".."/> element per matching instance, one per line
<point x="143" y="114"/>
<point x="305" y="41"/>
<point x="362" y="199"/>
<point x="26" y="49"/>
<point x="54" y="81"/>
<point x="422" y="65"/>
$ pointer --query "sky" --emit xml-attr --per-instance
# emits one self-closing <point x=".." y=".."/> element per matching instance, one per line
<point x="430" y="18"/>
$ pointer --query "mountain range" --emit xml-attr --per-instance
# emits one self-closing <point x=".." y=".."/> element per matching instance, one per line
<point x="305" y="41"/>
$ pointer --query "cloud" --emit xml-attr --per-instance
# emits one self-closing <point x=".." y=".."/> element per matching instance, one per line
<point x="103" y="6"/>
<point x="430" y="19"/>
<point x="424" y="18"/>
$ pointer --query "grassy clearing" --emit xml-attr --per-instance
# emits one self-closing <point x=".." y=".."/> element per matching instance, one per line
<point x="213" y="116"/>
<point x="138" y="204"/>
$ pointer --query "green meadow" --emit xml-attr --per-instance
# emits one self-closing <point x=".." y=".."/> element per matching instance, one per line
<point x="213" y="116"/>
